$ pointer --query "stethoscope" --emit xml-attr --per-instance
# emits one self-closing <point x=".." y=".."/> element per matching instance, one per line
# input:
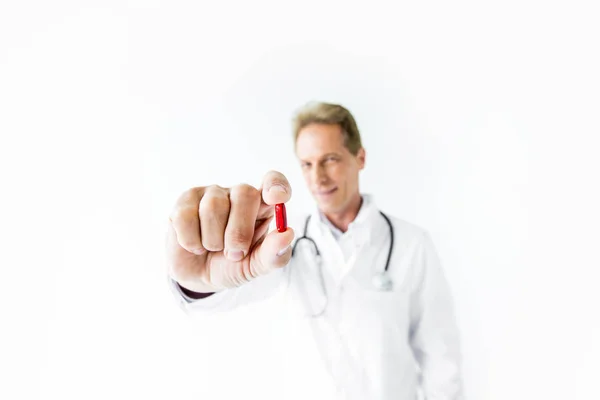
<point x="380" y="281"/>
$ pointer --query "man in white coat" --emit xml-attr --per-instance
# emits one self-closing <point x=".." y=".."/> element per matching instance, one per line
<point x="377" y="341"/>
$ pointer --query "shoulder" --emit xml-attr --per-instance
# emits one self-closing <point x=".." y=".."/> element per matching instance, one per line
<point x="412" y="240"/>
<point x="407" y="232"/>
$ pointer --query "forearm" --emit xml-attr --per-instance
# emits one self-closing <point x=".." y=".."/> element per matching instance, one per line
<point x="227" y="299"/>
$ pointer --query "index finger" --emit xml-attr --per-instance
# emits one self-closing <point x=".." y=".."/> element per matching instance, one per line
<point x="275" y="188"/>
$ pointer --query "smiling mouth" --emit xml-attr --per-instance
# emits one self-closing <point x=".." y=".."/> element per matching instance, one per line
<point x="326" y="192"/>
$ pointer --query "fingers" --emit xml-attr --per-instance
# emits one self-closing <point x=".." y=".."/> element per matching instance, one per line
<point x="274" y="252"/>
<point x="214" y="212"/>
<point x="244" y="204"/>
<point x="262" y="226"/>
<point x="185" y="222"/>
<point x="231" y="220"/>
<point x="182" y="265"/>
<point x="275" y="188"/>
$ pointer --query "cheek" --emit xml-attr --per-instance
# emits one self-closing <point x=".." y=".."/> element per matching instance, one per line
<point x="335" y="172"/>
<point x="306" y="176"/>
<point x="340" y="173"/>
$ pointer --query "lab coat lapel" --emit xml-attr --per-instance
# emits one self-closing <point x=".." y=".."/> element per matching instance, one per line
<point x="365" y="231"/>
<point x="373" y="253"/>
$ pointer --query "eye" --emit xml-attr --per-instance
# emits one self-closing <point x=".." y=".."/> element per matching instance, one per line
<point x="330" y="159"/>
<point x="304" y="165"/>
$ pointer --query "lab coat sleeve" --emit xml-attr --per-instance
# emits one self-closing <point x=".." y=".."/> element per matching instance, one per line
<point x="258" y="289"/>
<point x="434" y="334"/>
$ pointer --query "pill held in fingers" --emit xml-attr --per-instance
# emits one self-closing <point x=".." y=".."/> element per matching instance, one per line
<point x="281" y="217"/>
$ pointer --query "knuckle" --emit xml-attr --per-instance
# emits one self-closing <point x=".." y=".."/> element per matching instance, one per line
<point x="183" y="212"/>
<point x="189" y="196"/>
<point x="215" y="190"/>
<point x="216" y="203"/>
<point x="244" y="192"/>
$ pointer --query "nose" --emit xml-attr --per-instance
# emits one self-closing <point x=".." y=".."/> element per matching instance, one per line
<point x="318" y="174"/>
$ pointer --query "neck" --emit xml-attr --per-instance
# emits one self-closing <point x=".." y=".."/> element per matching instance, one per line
<point x="342" y="219"/>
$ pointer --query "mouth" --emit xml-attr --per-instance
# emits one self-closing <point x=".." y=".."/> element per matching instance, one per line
<point x="325" y="193"/>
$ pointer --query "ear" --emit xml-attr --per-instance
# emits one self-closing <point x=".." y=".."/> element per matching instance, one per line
<point x="360" y="157"/>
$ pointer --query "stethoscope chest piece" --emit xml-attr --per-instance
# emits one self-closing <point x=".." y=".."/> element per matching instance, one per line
<point x="382" y="282"/>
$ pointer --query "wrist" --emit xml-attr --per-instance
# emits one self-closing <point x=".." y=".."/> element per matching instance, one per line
<point x="194" y="295"/>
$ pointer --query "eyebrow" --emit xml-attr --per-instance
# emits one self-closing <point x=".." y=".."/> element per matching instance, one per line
<point x="331" y="154"/>
<point x="324" y="156"/>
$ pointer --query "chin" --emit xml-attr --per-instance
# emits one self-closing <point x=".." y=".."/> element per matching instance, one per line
<point x="329" y="207"/>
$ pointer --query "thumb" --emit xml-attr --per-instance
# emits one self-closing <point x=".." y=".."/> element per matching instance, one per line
<point x="274" y="252"/>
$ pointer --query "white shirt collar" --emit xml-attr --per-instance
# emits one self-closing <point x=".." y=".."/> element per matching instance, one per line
<point x="363" y="219"/>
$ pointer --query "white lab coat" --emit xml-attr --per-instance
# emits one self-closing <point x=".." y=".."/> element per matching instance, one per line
<point x="372" y="344"/>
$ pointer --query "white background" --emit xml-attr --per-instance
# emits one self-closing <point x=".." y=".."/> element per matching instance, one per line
<point x="481" y="124"/>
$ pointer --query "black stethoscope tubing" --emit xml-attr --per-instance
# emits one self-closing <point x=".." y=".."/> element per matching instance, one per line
<point x="305" y="237"/>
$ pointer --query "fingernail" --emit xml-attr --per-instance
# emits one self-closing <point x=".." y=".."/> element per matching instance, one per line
<point x="278" y="188"/>
<point x="198" y="252"/>
<point x="235" y="255"/>
<point x="283" y="251"/>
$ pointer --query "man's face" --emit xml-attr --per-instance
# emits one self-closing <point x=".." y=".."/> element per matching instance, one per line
<point x="329" y="169"/>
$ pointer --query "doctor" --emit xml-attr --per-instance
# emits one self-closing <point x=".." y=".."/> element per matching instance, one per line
<point x="369" y="285"/>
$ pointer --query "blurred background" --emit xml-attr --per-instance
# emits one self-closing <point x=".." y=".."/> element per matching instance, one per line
<point x="480" y="121"/>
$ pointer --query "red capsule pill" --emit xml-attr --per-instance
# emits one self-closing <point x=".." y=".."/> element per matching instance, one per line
<point x="281" y="217"/>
